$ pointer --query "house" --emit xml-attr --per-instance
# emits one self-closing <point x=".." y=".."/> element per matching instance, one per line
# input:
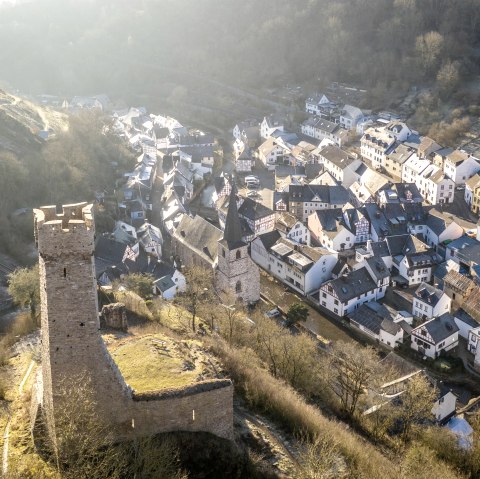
<point x="305" y="199"/>
<point x="244" y="161"/>
<point x="223" y="187"/>
<point x="320" y="129"/>
<point x="292" y="229"/>
<point x="269" y="124"/>
<point x="376" y="144"/>
<point x="366" y="189"/>
<point x="124" y="233"/>
<point x="457" y="286"/>
<point x="429" y="302"/>
<point x="340" y="164"/>
<point x="356" y="220"/>
<point x="258" y="217"/>
<point x="412" y="260"/>
<point x="472" y="193"/>
<point x="474" y="345"/>
<point x="150" y="239"/>
<point x="376" y="321"/>
<point x="240" y="127"/>
<point x="328" y="229"/>
<point x="459" y="166"/>
<point x="324" y="178"/>
<point x="396" y="157"/>
<point x="435" y="186"/>
<point x="272" y="152"/>
<point x="465" y="323"/>
<point x="343" y="295"/>
<point x="441" y="227"/>
<point x="459" y="244"/>
<point x="350" y="116"/>
<point x="301" y="267"/>
<point x="168" y="280"/>
<point x="399" y="193"/>
<point x="445" y="402"/>
<point x="317" y="103"/>
<point x="434" y="336"/>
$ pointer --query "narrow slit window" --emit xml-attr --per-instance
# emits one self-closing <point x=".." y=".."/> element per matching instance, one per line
<point x="64" y="272"/>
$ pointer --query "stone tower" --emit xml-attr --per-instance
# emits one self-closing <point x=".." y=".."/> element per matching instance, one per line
<point x="72" y="345"/>
<point x="236" y="272"/>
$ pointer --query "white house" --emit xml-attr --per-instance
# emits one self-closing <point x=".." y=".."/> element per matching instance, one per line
<point x="445" y="403"/>
<point x="269" y="125"/>
<point x="434" y="336"/>
<point x="272" y="152"/>
<point x="291" y="228"/>
<point x="169" y="282"/>
<point x="474" y="345"/>
<point x="435" y="186"/>
<point x="430" y="302"/>
<point x="441" y="227"/>
<point x="340" y="164"/>
<point x="151" y="240"/>
<point x="350" y="116"/>
<point x="327" y="229"/>
<point x="314" y="104"/>
<point x="375" y="320"/>
<point x="343" y="295"/>
<point x="300" y="267"/>
<point x="320" y="129"/>
<point x="460" y="166"/>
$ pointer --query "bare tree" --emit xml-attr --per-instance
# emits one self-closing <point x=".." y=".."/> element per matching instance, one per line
<point x="321" y="459"/>
<point x="198" y="292"/>
<point x="416" y="404"/>
<point x="349" y="370"/>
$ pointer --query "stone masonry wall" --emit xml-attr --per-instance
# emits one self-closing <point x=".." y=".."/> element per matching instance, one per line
<point x="72" y="345"/>
<point x="231" y="270"/>
<point x="114" y="315"/>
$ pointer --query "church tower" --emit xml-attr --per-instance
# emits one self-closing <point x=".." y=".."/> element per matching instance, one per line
<point x="236" y="272"/>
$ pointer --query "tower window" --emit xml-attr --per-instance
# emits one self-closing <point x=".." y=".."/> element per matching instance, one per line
<point x="238" y="255"/>
<point x="64" y="272"/>
<point x="238" y="287"/>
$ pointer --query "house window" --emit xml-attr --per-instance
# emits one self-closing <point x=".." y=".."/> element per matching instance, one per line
<point x="335" y="302"/>
<point x="335" y="311"/>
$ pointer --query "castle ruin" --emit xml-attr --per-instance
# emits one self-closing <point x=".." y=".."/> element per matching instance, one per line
<point x="72" y="344"/>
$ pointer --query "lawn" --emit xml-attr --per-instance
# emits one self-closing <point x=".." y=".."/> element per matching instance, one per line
<point x="155" y="362"/>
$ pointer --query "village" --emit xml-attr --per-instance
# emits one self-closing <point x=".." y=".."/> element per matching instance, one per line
<point x="353" y="213"/>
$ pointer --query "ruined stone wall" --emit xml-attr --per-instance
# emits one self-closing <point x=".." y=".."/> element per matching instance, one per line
<point x="114" y="315"/>
<point x="72" y="345"/>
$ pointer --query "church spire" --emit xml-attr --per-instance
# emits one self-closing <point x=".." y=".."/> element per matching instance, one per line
<point x="233" y="228"/>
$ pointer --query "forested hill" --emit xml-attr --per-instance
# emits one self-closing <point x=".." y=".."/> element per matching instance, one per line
<point x="119" y="46"/>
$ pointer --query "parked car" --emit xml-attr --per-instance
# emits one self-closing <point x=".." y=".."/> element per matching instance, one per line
<point x="273" y="313"/>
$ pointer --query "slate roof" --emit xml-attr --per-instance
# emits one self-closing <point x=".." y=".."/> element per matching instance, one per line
<point x="378" y="267"/>
<point x="269" y="238"/>
<point x="354" y="284"/>
<point x="428" y="294"/>
<point x="466" y="318"/>
<point x="200" y="236"/>
<point x="469" y="254"/>
<point x="164" y="284"/>
<point x="285" y="221"/>
<point x="337" y="156"/>
<point x="329" y="219"/>
<point x="375" y="317"/>
<point x="232" y="235"/>
<point x="336" y="195"/>
<point x="380" y="249"/>
<point x="440" y="328"/>
<point x="109" y="250"/>
<point x="253" y="210"/>
<point x="341" y="262"/>
<point x="403" y="188"/>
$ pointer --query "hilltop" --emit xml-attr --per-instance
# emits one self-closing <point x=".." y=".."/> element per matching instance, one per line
<point x="23" y="124"/>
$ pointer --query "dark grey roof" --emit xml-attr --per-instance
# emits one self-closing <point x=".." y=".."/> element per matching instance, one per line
<point x="109" y="250"/>
<point x="269" y="239"/>
<point x="282" y="171"/>
<point x="341" y="262"/>
<point x="374" y="317"/>
<point x="404" y="188"/>
<point x="428" y="294"/>
<point x="378" y="267"/>
<point x="200" y="236"/>
<point x="159" y="269"/>
<point x="329" y="219"/>
<point x="436" y="224"/>
<point x="336" y="195"/>
<point x="380" y="249"/>
<point x="232" y="235"/>
<point x="440" y="328"/>
<point x="469" y="254"/>
<point x="337" y="156"/>
<point x="466" y="318"/>
<point x="164" y="284"/>
<point x="253" y="210"/>
<point x="353" y="284"/>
